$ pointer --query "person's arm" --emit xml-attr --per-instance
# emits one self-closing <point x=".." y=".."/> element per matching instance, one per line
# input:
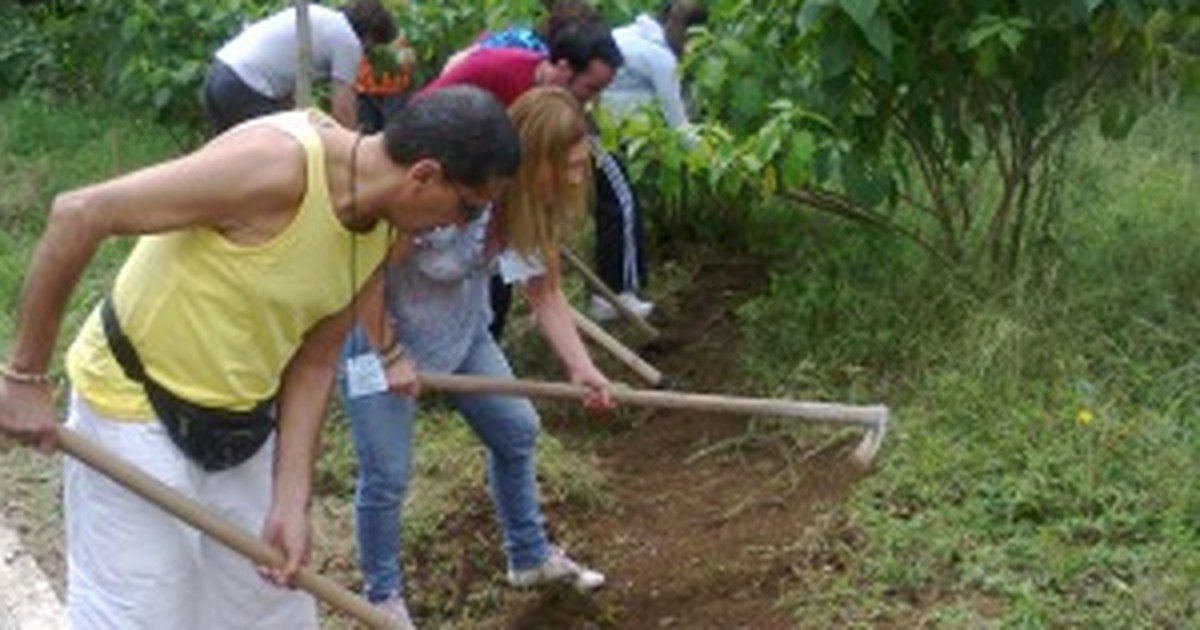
<point x="344" y="104"/>
<point x="553" y="316"/>
<point x="381" y="333"/>
<point x="304" y="398"/>
<point x="234" y="184"/>
<point x="664" y="74"/>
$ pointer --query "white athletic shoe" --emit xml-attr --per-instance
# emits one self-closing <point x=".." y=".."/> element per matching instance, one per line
<point x="394" y="607"/>
<point x="602" y="311"/>
<point x="558" y="567"/>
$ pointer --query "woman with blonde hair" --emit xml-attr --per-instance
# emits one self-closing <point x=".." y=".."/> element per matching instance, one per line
<point x="438" y="310"/>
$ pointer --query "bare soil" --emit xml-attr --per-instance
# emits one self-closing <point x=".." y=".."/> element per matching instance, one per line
<point x="709" y="508"/>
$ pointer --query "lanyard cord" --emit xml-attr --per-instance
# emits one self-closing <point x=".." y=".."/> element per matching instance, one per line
<point x="354" y="234"/>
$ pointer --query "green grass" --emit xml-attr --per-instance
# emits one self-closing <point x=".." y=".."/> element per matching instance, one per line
<point x="49" y="147"/>
<point x="1042" y="469"/>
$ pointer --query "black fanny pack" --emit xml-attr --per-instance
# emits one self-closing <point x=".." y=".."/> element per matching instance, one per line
<point x="215" y="439"/>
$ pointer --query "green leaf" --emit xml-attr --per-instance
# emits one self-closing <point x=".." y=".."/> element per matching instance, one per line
<point x="861" y="11"/>
<point x="748" y="104"/>
<point x="1117" y="120"/>
<point x="879" y="35"/>
<point x="161" y="97"/>
<point x="1012" y="38"/>
<point x="797" y="164"/>
<point x="810" y="14"/>
<point x="987" y="60"/>
<point x="861" y="184"/>
<point x="1133" y="12"/>
<point x="837" y="55"/>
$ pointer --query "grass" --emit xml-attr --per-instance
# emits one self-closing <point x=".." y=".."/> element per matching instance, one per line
<point x="47" y="148"/>
<point x="1040" y="474"/>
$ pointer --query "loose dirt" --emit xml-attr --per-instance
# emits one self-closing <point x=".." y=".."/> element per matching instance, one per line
<point x="709" y="508"/>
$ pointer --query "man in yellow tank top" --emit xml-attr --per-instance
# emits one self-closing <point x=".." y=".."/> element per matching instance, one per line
<point x="234" y="302"/>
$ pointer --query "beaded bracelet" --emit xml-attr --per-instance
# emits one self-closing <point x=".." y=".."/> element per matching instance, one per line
<point x="25" y="378"/>
<point x="392" y="354"/>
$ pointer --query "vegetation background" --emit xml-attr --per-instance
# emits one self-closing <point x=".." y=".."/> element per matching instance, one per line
<point x="982" y="213"/>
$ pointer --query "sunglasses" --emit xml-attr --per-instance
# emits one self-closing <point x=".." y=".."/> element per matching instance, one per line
<point x="468" y="210"/>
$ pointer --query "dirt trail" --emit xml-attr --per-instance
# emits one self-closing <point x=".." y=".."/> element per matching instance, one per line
<point x="705" y="529"/>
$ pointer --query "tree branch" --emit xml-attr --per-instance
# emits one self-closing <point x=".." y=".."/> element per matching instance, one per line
<point x="839" y="205"/>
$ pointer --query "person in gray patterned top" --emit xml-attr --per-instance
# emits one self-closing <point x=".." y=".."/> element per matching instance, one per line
<point x="438" y="310"/>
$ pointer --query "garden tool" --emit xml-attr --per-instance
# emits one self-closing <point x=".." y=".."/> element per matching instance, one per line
<point x="630" y="358"/>
<point x="874" y="418"/>
<point x="195" y="515"/>
<point x="608" y="294"/>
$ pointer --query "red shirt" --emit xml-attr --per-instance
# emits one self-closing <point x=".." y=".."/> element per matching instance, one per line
<point x="505" y="72"/>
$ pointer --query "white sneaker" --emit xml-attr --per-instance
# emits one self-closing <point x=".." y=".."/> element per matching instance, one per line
<point x="394" y="607"/>
<point x="602" y="311"/>
<point x="637" y="304"/>
<point x="557" y="567"/>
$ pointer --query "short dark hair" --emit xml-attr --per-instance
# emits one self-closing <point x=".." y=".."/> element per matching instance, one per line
<point x="688" y="13"/>
<point x="583" y="41"/>
<point x="560" y="13"/>
<point x="371" y="21"/>
<point x="462" y="127"/>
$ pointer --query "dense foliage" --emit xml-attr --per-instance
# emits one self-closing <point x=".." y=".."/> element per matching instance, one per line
<point x="941" y="121"/>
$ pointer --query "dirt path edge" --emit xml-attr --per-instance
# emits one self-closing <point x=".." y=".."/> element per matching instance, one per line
<point x="27" y="602"/>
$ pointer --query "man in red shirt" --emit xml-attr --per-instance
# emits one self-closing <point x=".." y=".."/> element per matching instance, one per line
<point x="583" y="58"/>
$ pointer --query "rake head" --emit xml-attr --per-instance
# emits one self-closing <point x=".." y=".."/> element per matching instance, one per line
<point x="864" y="453"/>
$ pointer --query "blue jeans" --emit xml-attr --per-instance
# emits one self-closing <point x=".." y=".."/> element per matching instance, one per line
<point x="382" y="428"/>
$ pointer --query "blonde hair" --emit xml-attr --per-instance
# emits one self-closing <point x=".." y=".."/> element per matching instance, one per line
<point x="550" y="122"/>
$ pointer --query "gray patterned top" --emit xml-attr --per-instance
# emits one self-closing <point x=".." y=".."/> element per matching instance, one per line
<point x="438" y="296"/>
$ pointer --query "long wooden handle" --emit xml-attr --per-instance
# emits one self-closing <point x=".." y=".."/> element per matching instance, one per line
<point x="864" y="415"/>
<point x="630" y="358"/>
<point x="195" y="515"/>
<point x="599" y="286"/>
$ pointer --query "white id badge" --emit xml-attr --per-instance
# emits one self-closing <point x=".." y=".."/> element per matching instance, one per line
<point x="365" y="375"/>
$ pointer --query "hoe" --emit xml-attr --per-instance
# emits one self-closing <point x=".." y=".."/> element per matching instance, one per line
<point x="873" y="418"/>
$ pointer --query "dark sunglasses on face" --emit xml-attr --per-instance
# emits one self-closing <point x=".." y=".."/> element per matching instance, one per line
<point x="469" y="210"/>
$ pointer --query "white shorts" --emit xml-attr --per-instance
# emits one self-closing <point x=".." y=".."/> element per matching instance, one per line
<point x="132" y="566"/>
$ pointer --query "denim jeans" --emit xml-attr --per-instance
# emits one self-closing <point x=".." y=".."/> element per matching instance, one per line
<point x="382" y="429"/>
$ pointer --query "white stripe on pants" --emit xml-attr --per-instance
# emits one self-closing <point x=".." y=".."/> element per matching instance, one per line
<point x="611" y="170"/>
<point x="132" y="566"/>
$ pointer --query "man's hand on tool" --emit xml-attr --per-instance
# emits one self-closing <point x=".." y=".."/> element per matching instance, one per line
<point x="27" y="413"/>
<point x="288" y="531"/>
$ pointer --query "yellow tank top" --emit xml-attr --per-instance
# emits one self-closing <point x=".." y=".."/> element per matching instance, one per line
<point x="216" y="322"/>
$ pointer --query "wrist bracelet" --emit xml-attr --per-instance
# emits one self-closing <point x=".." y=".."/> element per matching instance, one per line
<point x="392" y="354"/>
<point x="25" y="378"/>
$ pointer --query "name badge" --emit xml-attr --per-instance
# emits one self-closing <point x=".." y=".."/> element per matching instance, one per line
<point x="365" y="375"/>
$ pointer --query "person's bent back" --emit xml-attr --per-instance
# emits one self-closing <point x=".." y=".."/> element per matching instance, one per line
<point x="254" y="73"/>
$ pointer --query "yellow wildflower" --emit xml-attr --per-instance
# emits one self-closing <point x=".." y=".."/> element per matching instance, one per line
<point x="1084" y="417"/>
